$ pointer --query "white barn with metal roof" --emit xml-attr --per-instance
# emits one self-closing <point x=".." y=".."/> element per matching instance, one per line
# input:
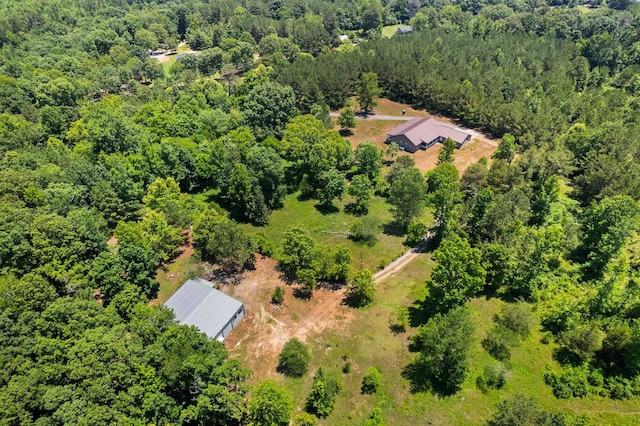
<point x="198" y="303"/>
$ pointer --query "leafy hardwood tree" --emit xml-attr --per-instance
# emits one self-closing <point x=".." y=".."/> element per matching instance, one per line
<point x="446" y="152"/>
<point x="268" y="108"/>
<point x="506" y="149"/>
<point x="368" y="160"/>
<point x="294" y="358"/>
<point x="298" y="250"/>
<point x="331" y="185"/>
<point x="221" y="240"/>
<point x="363" y="191"/>
<point x="607" y="226"/>
<point x="446" y="197"/>
<point x="407" y="196"/>
<point x="361" y="289"/>
<point x="444" y="346"/>
<point x="270" y="405"/>
<point x="347" y="120"/>
<point x="458" y="274"/>
<point x="325" y="389"/>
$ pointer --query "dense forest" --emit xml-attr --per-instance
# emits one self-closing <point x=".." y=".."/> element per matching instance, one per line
<point x="98" y="139"/>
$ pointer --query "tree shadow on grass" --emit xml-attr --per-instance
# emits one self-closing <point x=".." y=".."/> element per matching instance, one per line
<point x="353" y="209"/>
<point x="393" y="229"/>
<point x="326" y="209"/>
<point x="418" y="377"/>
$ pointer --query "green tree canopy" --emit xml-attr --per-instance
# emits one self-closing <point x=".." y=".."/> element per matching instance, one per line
<point x="458" y="274"/>
<point x="368" y="92"/>
<point x="407" y="196"/>
<point x="270" y="405"/>
<point x="444" y="346"/>
<point x="294" y="358"/>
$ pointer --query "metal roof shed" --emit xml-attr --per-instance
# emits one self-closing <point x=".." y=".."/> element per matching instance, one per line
<point x="213" y="312"/>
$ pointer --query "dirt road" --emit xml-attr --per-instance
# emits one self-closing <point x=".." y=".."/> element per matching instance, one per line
<point x="402" y="261"/>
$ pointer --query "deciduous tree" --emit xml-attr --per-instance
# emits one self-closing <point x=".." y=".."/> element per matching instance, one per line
<point x="458" y="274"/>
<point x="270" y="405"/>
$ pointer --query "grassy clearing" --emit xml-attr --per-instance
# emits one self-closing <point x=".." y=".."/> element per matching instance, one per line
<point x="332" y="229"/>
<point x="368" y="342"/>
<point x="390" y="30"/>
<point x="174" y="275"/>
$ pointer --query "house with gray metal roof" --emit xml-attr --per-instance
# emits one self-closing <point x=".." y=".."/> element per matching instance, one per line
<point x="422" y="133"/>
<point x="198" y="303"/>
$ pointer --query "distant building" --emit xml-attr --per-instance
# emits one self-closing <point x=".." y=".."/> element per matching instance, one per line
<point x="213" y="312"/>
<point x="343" y="38"/>
<point x="405" y="29"/>
<point x="422" y="133"/>
<point x="182" y="55"/>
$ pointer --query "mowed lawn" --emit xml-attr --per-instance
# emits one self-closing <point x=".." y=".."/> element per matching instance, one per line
<point x="333" y="229"/>
<point x="367" y="341"/>
<point x="390" y="30"/>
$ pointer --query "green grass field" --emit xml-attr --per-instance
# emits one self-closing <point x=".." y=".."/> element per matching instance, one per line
<point x="368" y="341"/>
<point x="390" y="30"/>
<point x="332" y="229"/>
<point x="182" y="269"/>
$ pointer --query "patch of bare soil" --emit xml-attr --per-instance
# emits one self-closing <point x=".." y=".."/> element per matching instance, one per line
<point x="375" y="131"/>
<point x="478" y="147"/>
<point x="260" y="336"/>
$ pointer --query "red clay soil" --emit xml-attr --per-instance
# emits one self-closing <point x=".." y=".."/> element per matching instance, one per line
<point x="259" y="337"/>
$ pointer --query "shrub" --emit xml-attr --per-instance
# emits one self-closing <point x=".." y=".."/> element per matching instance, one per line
<point x="522" y="410"/>
<point x="371" y="381"/>
<point x="401" y="322"/>
<point x="498" y="343"/>
<point x="322" y="397"/>
<point x="361" y="289"/>
<point x="582" y="342"/>
<point x="517" y="317"/>
<point x="571" y="383"/>
<point x="375" y="418"/>
<point x="305" y="419"/>
<point x="262" y="245"/>
<point x="415" y="233"/>
<point x="277" y="296"/>
<point x="494" y="375"/>
<point x="294" y="358"/>
<point x="619" y="388"/>
<point x="366" y="230"/>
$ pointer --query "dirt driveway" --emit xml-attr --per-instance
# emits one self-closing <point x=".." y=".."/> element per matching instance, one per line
<point x="374" y="129"/>
<point x="259" y="337"/>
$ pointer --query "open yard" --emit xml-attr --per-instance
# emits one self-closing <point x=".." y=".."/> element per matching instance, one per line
<point x="332" y="228"/>
<point x="375" y="131"/>
<point x="260" y="336"/>
<point x="172" y="275"/>
<point x="338" y="335"/>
